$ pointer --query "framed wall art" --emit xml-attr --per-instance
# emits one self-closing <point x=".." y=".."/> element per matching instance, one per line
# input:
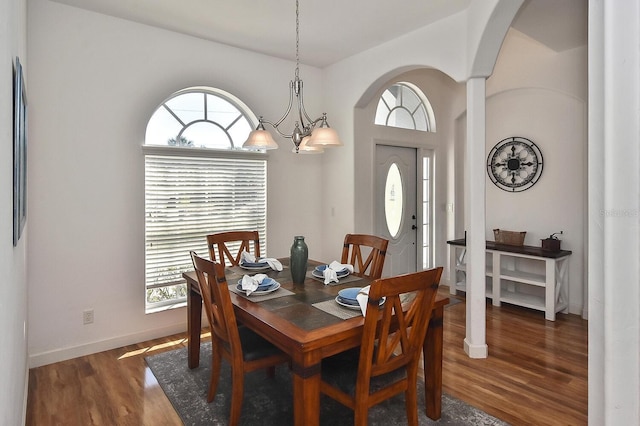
<point x="19" y="153"/>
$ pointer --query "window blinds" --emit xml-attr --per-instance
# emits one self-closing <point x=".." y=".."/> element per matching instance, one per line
<point x="187" y="198"/>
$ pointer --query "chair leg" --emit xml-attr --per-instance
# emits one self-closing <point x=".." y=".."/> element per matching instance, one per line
<point x="216" y="363"/>
<point x="237" y="393"/>
<point x="411" y="396"/>
<point x="361" y="415"/>
<point x="360" y="410"/>
<point x="411" y="407"/>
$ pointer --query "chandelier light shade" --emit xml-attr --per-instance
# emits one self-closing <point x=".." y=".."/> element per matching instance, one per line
<point x="324" y="136"/>
<point x="306" y="137"/>
<point x="306" y="148"/>
<point x="260" y="139"/>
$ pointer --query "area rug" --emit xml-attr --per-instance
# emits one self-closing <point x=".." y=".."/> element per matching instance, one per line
<point x="267" y="401"/>
<point x="452" y="301"/>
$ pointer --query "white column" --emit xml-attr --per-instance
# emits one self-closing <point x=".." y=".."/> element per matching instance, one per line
<point x="614" y="152"/>
<point x="475" y="341"/>
<point x="595" y="263"/>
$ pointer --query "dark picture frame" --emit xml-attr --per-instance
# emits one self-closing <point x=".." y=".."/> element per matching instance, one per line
<point x="19" y="152"/>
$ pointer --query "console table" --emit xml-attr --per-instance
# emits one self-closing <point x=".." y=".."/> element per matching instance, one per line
<point x="542" y="284"/>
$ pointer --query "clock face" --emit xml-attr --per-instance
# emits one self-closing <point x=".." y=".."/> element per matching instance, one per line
<point x="514" y="164"/>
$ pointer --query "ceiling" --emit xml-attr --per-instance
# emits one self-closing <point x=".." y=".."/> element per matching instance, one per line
<point x="330" y="30"/>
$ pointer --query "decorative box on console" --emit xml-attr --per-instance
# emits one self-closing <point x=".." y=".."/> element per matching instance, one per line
<point x="551" y="244"/>
<point x="511" y="238"/>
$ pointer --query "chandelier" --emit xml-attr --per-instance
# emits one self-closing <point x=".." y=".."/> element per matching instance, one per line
<point x="308" y="136"/>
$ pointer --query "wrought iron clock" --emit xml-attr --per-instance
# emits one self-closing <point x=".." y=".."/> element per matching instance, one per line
<point x="514" y="164"/>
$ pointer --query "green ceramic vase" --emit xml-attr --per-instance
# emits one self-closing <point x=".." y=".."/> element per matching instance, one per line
<point x="298" y="259"/>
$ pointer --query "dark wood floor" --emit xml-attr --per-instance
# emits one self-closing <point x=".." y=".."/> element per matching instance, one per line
<point x="536" y="374"/>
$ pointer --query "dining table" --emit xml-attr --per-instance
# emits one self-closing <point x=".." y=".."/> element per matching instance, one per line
<point x="306" y="322"/>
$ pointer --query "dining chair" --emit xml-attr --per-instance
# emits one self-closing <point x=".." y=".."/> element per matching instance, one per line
<point x="356" y="246"/>
<point x="219" y="243"/>
<point x="386" y="363"/>
<point x="242" y="348"/>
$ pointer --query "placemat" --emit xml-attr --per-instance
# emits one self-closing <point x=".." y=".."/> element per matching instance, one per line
<point x="331" y="307"/>
<point x="261" y="298"/>
<point x="349" y="278"/>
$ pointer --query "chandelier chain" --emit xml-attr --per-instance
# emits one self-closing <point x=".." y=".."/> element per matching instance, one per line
<point x="297" y="39"/>
<point x="322" y="135"/>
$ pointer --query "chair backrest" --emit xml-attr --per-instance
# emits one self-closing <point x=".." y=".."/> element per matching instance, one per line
<point x="220" y="252"/>
<point x="394" y="334"/>
<point x="357" y="246"/>
<point x="217" y="304"/>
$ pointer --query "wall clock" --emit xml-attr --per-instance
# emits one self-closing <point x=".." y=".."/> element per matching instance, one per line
<point x="514" y="164"/>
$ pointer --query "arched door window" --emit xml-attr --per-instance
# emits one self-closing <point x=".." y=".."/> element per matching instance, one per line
<point x="404" y="105"/>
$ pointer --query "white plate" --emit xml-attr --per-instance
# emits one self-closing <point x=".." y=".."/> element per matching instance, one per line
<point x="355" y="306"/>
<point x="271" y="289"/>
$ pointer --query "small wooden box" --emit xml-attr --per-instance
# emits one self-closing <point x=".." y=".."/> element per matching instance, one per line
<point x="551" y="244"/>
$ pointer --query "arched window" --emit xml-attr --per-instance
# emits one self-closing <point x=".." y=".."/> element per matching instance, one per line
<point x="404" y="105"/>
<point x="198" y="181"/>
<point x="202" y="118"/>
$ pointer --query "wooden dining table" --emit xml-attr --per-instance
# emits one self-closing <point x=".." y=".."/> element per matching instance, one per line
<point x="309" y="334"/>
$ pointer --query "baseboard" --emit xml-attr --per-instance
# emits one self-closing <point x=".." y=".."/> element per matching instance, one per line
<point x="475" y="351"/>
<point x="63" y="354"/>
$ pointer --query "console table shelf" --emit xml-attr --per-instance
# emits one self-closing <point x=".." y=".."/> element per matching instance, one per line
<point x="543" y="285"/>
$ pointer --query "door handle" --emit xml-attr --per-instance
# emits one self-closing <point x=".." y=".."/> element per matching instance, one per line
<point x="414" y="227"/>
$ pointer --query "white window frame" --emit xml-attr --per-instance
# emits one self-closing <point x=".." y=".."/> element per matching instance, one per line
<point x="385" y="111"/>
<point x="221" y="169"/>
<point x="426" y="184"/>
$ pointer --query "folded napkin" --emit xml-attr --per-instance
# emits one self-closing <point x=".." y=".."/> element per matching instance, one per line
<point x="331" y="272"/>
<point x="250" y="284"/>
<point x="272" y="262"/>
<point x="363" y="299"/>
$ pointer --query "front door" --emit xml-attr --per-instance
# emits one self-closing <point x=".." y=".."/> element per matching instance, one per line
<point x="396" y="207"/>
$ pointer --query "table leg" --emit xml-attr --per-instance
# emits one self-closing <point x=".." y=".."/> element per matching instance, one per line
<point x="550" y="290"/>
<point x="432" y="355"/>
<point x="306" y="395"/>
<point x="194" y="326"/>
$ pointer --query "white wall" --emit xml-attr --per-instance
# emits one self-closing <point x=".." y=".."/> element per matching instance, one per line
<point x="614" y="213"/>
<point x="540" y="94"/>
<point x="13" y="286"/>
<point x="94" y="82"/>
<point x="353" y="82"/>
<point x="533" y="92"/>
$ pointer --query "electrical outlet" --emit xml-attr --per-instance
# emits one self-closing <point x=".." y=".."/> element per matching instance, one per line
<point x="87" y="316"/>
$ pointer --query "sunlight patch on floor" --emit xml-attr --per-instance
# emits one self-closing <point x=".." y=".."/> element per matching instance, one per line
<point x="162" y="346"/>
